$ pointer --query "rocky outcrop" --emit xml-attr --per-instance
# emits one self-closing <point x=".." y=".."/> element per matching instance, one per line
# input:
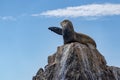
<point x="76" y="61"/>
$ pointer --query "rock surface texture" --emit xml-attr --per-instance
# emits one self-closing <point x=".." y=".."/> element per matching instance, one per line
<point x="76" y="61"/>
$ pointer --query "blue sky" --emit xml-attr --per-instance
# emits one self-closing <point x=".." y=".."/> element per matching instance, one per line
<point x="25" y="41"/>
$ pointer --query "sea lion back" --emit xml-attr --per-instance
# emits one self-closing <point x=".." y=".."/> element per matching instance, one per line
<point x="83" y="38"/>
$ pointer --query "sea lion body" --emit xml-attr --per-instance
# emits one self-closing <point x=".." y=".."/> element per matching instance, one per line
<point x="69" y="35"/>
<point x="84" y="39"/>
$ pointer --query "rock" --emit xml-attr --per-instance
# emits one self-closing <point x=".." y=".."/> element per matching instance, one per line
<point x="76" y="61"/>
<point x="39" y="75"/>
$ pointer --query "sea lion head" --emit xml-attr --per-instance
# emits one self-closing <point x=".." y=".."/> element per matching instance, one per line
<point x="67" y="24"/>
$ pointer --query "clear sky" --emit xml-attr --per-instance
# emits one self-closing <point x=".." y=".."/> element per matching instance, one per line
<point x="26" y="42"/>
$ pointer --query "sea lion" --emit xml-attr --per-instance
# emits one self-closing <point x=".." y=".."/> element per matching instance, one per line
<point x="69" y="35"/>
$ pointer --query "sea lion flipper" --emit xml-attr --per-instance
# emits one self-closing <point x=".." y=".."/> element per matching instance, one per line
<point x="57" y="30"/>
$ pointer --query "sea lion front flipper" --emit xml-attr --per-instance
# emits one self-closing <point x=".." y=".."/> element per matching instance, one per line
<point x="56" y="30"/>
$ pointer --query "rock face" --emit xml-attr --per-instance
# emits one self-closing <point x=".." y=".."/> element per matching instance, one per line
<point x="76" y="61"/>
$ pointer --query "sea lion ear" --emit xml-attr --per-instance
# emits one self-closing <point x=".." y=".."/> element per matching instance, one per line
<point x="57" y="30"/>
